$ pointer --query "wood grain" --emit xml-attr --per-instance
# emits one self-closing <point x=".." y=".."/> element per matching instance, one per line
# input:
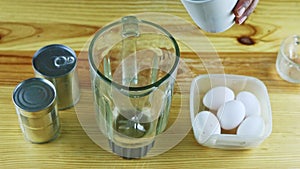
<point x="26" y="26"/>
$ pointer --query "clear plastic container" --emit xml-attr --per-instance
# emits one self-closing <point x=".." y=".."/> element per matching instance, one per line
<point x="288" y="59"/>
<point x="201" y="84"/>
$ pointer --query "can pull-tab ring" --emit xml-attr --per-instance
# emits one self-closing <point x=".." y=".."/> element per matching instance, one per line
<point x="60" y="61"/>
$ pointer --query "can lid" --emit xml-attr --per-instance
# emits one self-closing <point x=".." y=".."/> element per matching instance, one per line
<point x="54" y="60"/>
<point x="34" y="94"/>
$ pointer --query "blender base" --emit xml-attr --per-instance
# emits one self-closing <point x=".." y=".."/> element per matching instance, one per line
<point x="130" y="153"/>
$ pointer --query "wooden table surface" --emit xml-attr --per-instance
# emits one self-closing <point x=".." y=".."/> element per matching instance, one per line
<point x="249" y="49"/>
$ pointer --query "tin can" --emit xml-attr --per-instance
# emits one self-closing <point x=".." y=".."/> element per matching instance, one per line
<point x="36" y="107"/>
<point x="57" y="63"/>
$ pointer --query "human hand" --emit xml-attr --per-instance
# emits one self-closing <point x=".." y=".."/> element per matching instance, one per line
<point x="243" y="9"/>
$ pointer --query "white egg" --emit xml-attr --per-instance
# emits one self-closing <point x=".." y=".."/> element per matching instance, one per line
<point x="205" y="125"/>
<point x="231" y="114"/>
<point x="217" y="96"/>
<point x="252" y="126"/>
<point x="251" y="103"/>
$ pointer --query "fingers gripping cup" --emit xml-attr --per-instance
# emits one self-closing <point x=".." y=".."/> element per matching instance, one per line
<point x="133" y="68"/>
<point x="211" y="15"/>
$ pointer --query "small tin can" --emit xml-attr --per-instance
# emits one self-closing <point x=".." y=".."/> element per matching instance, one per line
<point x="57" y="63"/>
<point x="35" y="102"/>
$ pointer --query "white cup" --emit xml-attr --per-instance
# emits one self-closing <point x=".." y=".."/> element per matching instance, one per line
<point x="211" y="15"/>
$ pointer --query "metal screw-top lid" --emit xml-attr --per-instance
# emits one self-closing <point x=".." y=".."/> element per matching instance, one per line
<point x="54" y="60"/>
<point x="130" y="153"/>
<point x="35" y="94"/>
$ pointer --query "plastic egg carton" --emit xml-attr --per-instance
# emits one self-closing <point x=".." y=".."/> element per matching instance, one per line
<point x="203" y="83"/>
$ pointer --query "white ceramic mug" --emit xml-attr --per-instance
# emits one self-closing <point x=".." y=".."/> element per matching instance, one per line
<point x="211" y="15"/>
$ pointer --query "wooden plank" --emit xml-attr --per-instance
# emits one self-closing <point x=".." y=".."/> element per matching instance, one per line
<point x="249" y="49"/>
